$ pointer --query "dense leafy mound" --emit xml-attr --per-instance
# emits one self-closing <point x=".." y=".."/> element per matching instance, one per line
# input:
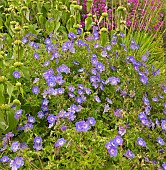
<point x="80" y="105"/>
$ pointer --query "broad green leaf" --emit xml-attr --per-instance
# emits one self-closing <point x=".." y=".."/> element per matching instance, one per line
<point x="88" y="23"/>
<point x="103" y="38"/>
<point x="57" y="25"/>
<point x="10" y="89"/>
<point x="2" y="98"/>
<point x="70" y="24"/>
<point x="12" y="122"/>
<point x="3" y="125"/>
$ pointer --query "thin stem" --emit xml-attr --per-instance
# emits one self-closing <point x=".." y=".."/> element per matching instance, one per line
<point x="40" y="162"/>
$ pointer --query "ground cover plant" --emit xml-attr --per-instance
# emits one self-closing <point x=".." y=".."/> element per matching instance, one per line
<point x="82" y="98"/>
<point x="78" y="97"/>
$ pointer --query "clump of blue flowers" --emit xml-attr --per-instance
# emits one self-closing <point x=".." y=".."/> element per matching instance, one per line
<point x="81" y="96"/>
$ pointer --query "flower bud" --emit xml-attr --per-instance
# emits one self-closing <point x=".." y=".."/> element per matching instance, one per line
<point x="13" y="23"/>
<point x="2" y="79"/>
<point x="121" y="8"/>
<point x="1" y="57"/>
<point x="105" y="14"/>
<point x="17" y="42"/>
<point x="16" y="102"/>
<point x="74" y="2"/>
<point x="25" y="27"/>
<point x="104" y="30"/>
<point x="18" y="84"/>
<point x="24" y="8"/>
<point x="89" y="15"/>
<point x="17" y="29"/>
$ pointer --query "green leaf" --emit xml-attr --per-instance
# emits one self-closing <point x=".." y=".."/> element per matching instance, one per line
<point x="88" y="23"/>
<point x="50" y="26"/>
<point x="103" y="38"/>
<point x="2" y="98"/>
<point x="12" y="122"/>
<point x="70" y="24"/>
<point x="26" y="73"/>
<point x="57" y="25"/>
<point x="10" y="89"/>
<point x="3" y="125"/>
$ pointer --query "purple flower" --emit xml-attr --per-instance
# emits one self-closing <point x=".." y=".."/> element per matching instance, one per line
<point x="71" y="88"/>
<point x="72" y="95"/>
<point x="35" y="46"/>
<point x="87" y="91"/>
<point x="118" y="113"/>
<point x="145" y="100"/>
<point x="141" y="142"/>
<point x="113" y="42"/>
<point x="113" y="80"/>
<point x="142" y="115"/>
<point x="81" y="70"/>
<point x="51" y="119"/>
<point x="109" y="100"/>
<point x="106" y="108"/>
<point x="97" y="99"/>
<point x="76" y="62"/>
<point x="108" y="47"/>
<point x="15" y="146"/>
<point x="164" y="166"/>
<point x="16" y="163"/>
<point x="5" y="159"/>
<point x="18" y="114"/>
<point x="94" y="59"/>
<point x="104" y="53"/>
<point x="144" y="121"/>
<point x="80" y="92"/>
<point x="72" y="35"/>
<point x="80" y="86"/>
<point x="155" y="99"/>
<point x="79" y="31"/>
<point x="40" y="114"/>
<point x="108" y="145"/>
<point x="82" y="126"/>
<point x="63" y="127"/>
<point x="46" y="63"/>
<point x="121" y="131"/>
<point x="113" y="151"/>
<point x="35" y="90"/>
<point x="91" y="121"/>
<point x="16" y="74"/>
<point x="31" y="119"/>
<point x="19" y="161"/>
<point x="60" y="90"/>
<point x="79" y="99"/>
<point x="129" y="154"/>
<point x="60" y="142"/>
<point x="24" y="40"/>
<point x="37" y="140"/>
<point x="144" y="79"/>
<point x="37" y="147"/>
<point x="163" y="124"/>
<point x="9" y="135"/>
<point x="118" y="140"/>
<point x="47" y="41"/>
<point x="160" y="141"/>
<point x="144" y="58"/>
<point x="36" y="56"/>
<point x="23" y="145"/>
<point x="63" y="69"/>
<point x="113" y="143"/>
<point x="134" y="46"/>
<point x="121" y="34"/>
<point x="100" y="67"/>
